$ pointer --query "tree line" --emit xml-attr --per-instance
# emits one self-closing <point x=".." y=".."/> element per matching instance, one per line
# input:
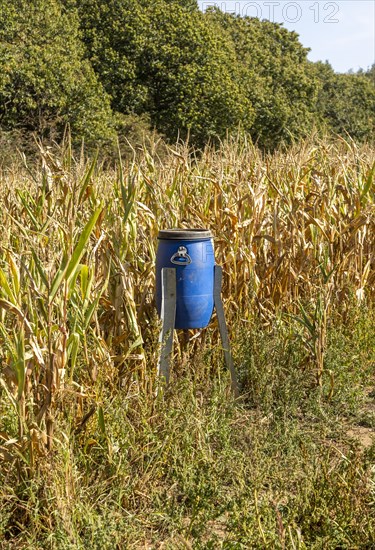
<point x="107" y="66"/>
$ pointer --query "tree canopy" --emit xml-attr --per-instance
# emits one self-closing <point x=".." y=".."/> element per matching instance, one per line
<point x="275" y="77"/>
<point x="45" y="82"/>
<point x="346" y="102"/>
<point x="169" y="60"/>
<point x="90" y="63"/>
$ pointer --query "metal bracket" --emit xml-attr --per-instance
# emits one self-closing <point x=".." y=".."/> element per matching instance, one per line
<point x="168" y="316"/>
<point x="223" y="328"/>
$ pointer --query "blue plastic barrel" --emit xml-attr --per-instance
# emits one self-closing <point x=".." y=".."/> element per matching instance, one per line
<point x="191" y="253"/>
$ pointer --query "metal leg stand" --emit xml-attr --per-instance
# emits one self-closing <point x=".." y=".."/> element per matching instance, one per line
<point x="223" y="328"/>
<point x="168" y="315"/>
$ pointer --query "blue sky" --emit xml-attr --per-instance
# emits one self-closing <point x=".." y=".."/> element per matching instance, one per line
<point x="342" y="32"/>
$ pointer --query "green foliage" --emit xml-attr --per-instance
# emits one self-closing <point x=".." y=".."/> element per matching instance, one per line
<point x="192" y="76"/>
<point x="114" y="34"/>
<point x="188" y="4"/>
<point x="370" y="74"/>
<point x="168" y="60"/>
<point x="200" y="73"/>
<point x="200" y="470"/>
<point x="346" y="102"/>
<point x="274" y="78"/>
<point x="100" y="65"/>
<point x="44" y="81"/>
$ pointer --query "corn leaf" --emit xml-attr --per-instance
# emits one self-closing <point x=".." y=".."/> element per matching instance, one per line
<point x="68" y="268"/>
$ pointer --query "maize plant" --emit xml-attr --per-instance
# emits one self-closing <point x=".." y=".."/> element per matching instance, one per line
<point x="294" y="232"/>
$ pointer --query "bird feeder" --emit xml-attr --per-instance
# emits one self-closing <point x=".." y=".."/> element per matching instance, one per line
<point x="188" y="288"/>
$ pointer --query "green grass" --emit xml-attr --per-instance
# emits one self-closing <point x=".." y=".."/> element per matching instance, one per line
<point x="197" y="470"/>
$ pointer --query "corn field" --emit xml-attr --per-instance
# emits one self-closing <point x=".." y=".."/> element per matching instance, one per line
<point x="294" y="232"/>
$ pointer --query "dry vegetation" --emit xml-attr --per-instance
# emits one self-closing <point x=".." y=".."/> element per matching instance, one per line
<point x="88" y="455"/>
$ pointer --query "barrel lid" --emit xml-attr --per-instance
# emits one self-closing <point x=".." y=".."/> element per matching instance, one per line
<point x="185" y="234"/>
